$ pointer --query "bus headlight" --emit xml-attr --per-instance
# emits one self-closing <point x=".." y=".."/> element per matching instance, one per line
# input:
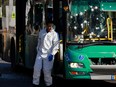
<point x="76" y="65"/>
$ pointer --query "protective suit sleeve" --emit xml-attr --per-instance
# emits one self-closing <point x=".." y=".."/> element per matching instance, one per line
<point x="38" y="44"/>
<point x="55" y="46"/>
<point x="39" y="41"/>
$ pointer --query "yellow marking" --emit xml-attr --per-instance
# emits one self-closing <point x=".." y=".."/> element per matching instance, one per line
<point x="109" y="26"/>
<point x="114" y="77"/>
<point x="13" y="15"/>
<point x="98" y="38"/>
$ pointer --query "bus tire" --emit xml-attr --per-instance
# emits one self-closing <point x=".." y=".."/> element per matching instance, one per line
<point x="12" y="54"/>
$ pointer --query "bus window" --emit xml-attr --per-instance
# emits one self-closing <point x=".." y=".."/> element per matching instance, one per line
<point x="91" y="23"/>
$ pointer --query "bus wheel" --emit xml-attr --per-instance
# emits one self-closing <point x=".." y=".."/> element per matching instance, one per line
<point x="12" y="54"/>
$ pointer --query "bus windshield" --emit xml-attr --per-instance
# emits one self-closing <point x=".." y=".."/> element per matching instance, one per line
<point x="91" y="21"/>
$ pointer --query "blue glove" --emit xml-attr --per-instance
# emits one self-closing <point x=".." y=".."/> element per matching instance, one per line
<point x="50" y="57"/>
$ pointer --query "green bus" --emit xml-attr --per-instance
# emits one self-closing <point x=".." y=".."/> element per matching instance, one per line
<point x="90" y="40"/>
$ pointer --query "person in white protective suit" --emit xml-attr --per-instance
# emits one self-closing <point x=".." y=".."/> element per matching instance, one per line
<point x="48" y="45"/>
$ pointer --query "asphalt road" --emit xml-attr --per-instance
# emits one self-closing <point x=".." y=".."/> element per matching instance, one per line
<point x="22" y="78"/>
<point x="9" y="78"/>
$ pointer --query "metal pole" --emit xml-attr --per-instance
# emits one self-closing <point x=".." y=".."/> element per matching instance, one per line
<point x="28" y="6"/>
<point x="10" y="12"/>
<point x="43" y="20"/>
<point x="33" y="14"/>
<point x="2" y="5"/>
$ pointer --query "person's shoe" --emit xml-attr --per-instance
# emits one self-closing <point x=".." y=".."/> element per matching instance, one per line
<point x="35" y="85"/>
<point x="50" y="86"/>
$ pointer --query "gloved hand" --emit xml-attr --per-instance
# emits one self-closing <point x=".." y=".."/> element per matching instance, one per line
<point x="50" y="57"/>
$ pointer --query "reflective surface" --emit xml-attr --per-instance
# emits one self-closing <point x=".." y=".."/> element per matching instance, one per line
<point x="91" y="22"/>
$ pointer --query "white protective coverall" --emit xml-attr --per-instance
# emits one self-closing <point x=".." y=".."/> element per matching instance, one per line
<point x="48" y="43"/>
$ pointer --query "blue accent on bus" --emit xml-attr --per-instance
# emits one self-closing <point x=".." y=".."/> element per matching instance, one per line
<point x="81" y="57"/>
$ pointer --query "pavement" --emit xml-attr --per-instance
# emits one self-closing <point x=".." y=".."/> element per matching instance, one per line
<point x="9" y="78"/>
